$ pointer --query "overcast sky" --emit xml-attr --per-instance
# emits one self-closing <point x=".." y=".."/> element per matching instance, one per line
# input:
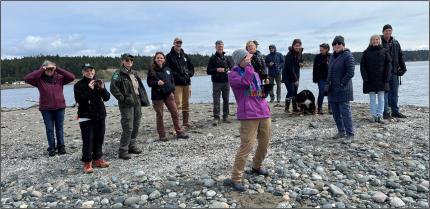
<point x="112" y="28"/>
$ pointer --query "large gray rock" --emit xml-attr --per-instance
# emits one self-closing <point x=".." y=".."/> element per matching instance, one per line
<point x="210" y="193"/>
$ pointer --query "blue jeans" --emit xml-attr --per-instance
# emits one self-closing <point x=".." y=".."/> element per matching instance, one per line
<point x="377" y="110"/>
<point x="54" y="118"/>
<point x="343" y="117"/>
<point x="392" y="96"/>
<point x="321" y="84"/>
<point x="291" y="90"/>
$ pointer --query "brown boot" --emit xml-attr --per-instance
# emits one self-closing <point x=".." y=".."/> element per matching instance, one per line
<point x="101" y="163"/>
<point x="185" y="119"/>
<point x="88" y="167"/>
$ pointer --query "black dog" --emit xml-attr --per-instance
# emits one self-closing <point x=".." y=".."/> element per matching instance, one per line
<point x="306" y="102"/>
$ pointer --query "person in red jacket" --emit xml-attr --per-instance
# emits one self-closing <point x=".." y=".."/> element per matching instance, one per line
<point x="49" y="80"/>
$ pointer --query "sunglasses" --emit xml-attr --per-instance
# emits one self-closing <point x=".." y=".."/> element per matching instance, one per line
<point x="129" y="60"/>
<point x="50" y="68"/>
<point x="337" y="43"/>
<point x="178" y="42"/>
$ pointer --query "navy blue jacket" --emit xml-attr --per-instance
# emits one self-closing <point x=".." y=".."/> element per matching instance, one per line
<point x="278" y="59"/>
<point x="340" y="72"/>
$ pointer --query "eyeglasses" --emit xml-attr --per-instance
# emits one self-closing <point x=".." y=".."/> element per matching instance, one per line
<point x="129" y="60"/>
<point x="337" y="43"/>
<point x="178" y="42"/>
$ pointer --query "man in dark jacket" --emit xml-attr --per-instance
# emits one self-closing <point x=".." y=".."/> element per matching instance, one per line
<point x="125" y="88"/>
<point x="182" y="70"/>
<point x="218" y="67"/>
<point x="90" y="94"/>
<point x="275" y="63"/>
<point x="291" y="73"/>
<point x="398" y="69"/>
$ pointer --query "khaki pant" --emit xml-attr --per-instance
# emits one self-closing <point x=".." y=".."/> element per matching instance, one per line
<point x="182" y="97"/>
<point x="250" y="130"/>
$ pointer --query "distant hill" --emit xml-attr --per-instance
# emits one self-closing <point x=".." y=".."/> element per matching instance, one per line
<point x="15" y="69"/>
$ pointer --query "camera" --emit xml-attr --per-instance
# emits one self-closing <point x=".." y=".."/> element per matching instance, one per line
<point x="98" y="84"/>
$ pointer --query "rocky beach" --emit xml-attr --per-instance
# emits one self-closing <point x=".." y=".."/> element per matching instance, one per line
<point x="387" y="165"/>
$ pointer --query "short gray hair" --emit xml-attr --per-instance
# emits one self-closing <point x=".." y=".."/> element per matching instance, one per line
<point x="47" y="62"/>
<point x="373" y="37"/>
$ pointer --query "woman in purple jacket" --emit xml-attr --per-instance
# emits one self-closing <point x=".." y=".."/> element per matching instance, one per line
<point x="49" y="80"/>
<point x="254" y="115"/>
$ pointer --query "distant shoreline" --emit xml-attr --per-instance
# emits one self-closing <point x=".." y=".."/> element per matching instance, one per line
<point x="200" y="71"/>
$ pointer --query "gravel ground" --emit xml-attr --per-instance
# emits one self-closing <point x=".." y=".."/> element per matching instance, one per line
<point x="386" y="166"/>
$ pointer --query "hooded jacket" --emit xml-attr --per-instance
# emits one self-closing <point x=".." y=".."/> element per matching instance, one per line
<point x="278" y="59"/>
<point x="246" y="86"/>
<point x="320" y="67"/>
<point x="181" y="66"/>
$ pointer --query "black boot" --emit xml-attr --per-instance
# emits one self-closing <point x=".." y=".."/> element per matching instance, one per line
<point x="287" y="105"/>
<point x="329" y="109"/>
<point x="295" y="110"/>
<point x="320" y="110"/>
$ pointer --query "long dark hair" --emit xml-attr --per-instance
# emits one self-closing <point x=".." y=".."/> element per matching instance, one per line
<point x="155" y="66"/>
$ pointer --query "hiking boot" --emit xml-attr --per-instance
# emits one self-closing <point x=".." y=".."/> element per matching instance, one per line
<point x="287" y="105"/>
<point x="124" y="156"/>
<point x="379" y="119"/>
<point x="226" y="120"/>
<point x="374" y="119"/>
<point x="163" y="139"/>
<point x="88" y="167"/>
<point x="260" y="171"/>
<point x="134" y="150"/>
<point x="100" y="163"/>
<point x="51" y="153"/>
<point x="215" y="122"/>
<point x="182" y="135"/>
<point x="236" y="185"/>
<point x="387" y="115"/>
<point x="320" y="112"/>
<point x="329" y="109"/>
<point x="398" y="115"/>
<point x="339" y="135"/>
<point x="62" y="150"/>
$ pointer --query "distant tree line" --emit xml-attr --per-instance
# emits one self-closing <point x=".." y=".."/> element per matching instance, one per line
<point x="15" y="69"/>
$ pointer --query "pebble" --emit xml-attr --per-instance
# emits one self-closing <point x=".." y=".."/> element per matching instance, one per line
<point x="340" y="205"/>
<point x="172" y="195"/>
<point x="422" y="204"/>
<point x="208" y="182"/>
<point x="117" y="205"/>
<point x="396" y="202"/>
<point x="421" y="188"/>
<point x="284" y="205"/>
<point x="379" y="197"/>
<point x="309" y="191"/>
<point x="383" y="144"/>
<point x="36" y="194"/>
<point x="336" y="190"/>
<point x="425" y="183"/>
<point x="131" y="201"/>
<point x="104" y="201"/>
<point x="182" y="205"/>
<point x="195" y="193"/>
<point x="154" y="195"/>
<point x="210" y="193"/>
<point x="88" y="204"/>
<point x="139" y="173"/>
<point x="217" y="204"/>
<point x="316" y="177"/>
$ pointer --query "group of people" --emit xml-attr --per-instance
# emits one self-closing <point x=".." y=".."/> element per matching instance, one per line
<point x="246" y="73"/>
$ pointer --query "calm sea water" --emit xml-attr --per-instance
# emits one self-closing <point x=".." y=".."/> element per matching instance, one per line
<point x="414" y="89"/>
